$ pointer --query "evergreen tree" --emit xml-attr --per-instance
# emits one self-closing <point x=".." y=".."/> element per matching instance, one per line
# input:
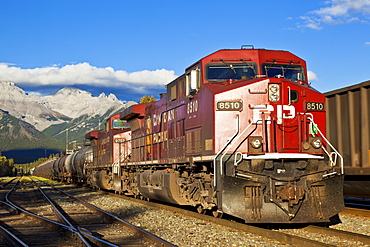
<point x="6" y="166"/>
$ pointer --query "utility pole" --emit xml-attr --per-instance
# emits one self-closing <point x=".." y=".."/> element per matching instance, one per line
<point x="66" y="140"/>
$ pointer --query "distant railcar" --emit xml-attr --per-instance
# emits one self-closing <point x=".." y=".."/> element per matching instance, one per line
<point x="348" y="116"/>
<point x="20" y="172"/>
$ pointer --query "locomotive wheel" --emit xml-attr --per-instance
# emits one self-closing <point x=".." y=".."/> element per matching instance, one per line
<point x="217" y="214"/>
<point x="201" y="210"/>
<point x="144" y="198"/>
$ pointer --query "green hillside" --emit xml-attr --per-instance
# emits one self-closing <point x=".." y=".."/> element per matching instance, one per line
<point x="78" y="127"/>
<point x="17" y="134"/>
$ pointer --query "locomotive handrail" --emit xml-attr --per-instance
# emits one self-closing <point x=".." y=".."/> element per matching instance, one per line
<point x="228" y="145"/>
<point x="235" y="151"/>
<point x="336" y="153"/>
<point x="116" y="162"/>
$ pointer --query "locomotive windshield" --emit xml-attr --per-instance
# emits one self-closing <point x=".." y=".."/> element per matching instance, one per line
<point x="225" y="71"/>
<point x="120" y="124"/>
<point x="288" y="71"/>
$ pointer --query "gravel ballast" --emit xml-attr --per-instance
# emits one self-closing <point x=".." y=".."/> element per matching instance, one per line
<point x="188" y="231"/>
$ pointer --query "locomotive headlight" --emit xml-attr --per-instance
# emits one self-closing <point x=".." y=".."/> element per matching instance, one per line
<point x="274" y="92"/>
<point x="316" y="143"/>
<point x="274" y="88"/>
<point x="256" y="143"/>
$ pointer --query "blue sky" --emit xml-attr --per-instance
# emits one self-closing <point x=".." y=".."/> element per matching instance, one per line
<point x="134" y="48"/>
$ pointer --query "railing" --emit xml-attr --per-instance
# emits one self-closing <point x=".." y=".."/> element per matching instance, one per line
<point x="116" y="164"/>
<point x="226" y="148"/>
<point x="333" y="156"/>
<point x="235" y="142"/>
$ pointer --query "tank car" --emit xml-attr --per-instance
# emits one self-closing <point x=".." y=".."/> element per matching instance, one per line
<point x="45" y="170"/>
<point x="73" y="170"/>
<point x="241" y="132"/>
<point x="69" y="168"/>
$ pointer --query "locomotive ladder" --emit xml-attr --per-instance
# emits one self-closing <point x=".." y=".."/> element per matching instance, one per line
<point x="218" y="165"/>
<point x="226" y="148"/>
<point x="116" y="164"/>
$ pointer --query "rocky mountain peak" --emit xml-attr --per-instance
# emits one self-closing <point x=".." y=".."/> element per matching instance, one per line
<point x="72" y="91"/>
<point x="68" y="103"/>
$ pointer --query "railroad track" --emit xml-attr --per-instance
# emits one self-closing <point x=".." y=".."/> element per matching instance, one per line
<point x="6" y="181"/>
<point x="19" y="230"/>
<point x="299" y="236"/>
<point x="296" y="235"/>
<point x="78" y="222"/>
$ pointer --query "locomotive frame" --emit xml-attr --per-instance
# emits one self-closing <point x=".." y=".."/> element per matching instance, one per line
<point x="241" y="132"/>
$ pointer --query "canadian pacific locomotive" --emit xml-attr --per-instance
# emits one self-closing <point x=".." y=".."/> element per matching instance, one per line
<point x="241" y="132"/>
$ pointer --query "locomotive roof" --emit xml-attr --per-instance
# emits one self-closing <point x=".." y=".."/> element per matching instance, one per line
<point x="92" y="135"/>
<point x="133" y="111"/>
<point x="256" y="55"/>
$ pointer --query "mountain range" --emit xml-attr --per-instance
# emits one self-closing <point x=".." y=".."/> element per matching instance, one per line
<point x="28" y="121"/>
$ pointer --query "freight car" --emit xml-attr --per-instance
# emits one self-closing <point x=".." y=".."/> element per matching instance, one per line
<point x="241" y="132"/>
<point x="69" y="168"/>
<point x="348" y="116"/>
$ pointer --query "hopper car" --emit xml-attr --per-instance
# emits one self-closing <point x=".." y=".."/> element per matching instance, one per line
<point x="348" y="116"/>
<point x="241" y="132"/>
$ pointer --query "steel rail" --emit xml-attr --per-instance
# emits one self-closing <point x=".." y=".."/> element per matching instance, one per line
<point x="356" y="211"/>
<point x="46" y="220"/>
<point x="147" y="235"/>
<point x="10" y="237"/>
<point x="279" y="236"/>
<point x="30" y="213"/>
<point x="62" y="217"/>
<point x="8" y="182"/>
<point x="339" y="233"/>
<point x="78" y="230"/>
<point x="14" y="240"/>
<point x="10" y="206"/>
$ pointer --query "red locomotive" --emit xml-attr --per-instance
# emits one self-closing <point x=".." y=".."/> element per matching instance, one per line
<point x="241" y="132"/>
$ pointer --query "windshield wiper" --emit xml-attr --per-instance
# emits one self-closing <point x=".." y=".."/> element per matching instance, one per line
<point x="230" y="65"/>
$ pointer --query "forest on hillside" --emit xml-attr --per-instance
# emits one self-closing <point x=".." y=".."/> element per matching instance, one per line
<point x="6" y="167"/>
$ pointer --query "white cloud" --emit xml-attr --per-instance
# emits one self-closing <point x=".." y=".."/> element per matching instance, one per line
<point x="367" y="43"/>
<point x="338" y="11"/>
<point x="84" y="74"/>
<point x="311" y="76"/>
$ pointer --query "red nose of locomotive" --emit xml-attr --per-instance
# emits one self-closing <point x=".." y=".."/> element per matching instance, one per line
<point x="287" y="118"/>
<point x="275" y="115"/>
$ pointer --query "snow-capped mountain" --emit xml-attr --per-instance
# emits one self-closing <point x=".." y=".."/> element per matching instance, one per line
<point x="26" y="107"/>
<point x="67" y="104"/>
<point x="74" y="102"/>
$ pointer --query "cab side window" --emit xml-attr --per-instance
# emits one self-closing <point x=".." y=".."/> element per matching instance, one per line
<point x="193" y="81"/>
<point x="293" y="97"/>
